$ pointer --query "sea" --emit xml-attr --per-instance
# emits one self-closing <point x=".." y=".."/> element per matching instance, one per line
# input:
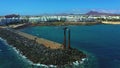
<point x="101" y="43"/>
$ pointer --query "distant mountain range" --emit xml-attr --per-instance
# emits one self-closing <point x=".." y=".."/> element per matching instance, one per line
<point x="95" y="13"/>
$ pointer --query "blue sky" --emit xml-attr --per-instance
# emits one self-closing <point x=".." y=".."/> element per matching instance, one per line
<point x="34" y="7"/>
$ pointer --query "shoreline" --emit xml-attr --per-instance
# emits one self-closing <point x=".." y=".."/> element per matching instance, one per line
<point x="111" y="22"/>
<point x="63" y="23"/>
<point x="38" y="64"/>
<point x="20" y="26"/>
<point x="45" y="42"/>
<point x="60" y="53"/>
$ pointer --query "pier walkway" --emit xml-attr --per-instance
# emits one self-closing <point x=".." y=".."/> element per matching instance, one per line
<point x="45" y="42"/>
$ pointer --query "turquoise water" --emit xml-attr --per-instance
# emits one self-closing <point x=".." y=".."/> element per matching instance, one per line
<point x="102" y="41"/>
<point x="9" y="58"/>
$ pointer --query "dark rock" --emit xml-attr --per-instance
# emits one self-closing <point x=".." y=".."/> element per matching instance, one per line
<point x="38" y="53"/>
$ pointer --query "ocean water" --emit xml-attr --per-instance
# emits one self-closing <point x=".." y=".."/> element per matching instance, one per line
<point x="102" y="41"/>
<point x="9" y="58"/>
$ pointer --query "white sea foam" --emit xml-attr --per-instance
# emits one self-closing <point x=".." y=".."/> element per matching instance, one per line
<point x="83" y="59"/>
<point x="20" y="54"/>
<point x="46" y="66"/>
<point x="2" y="39"/>
<point x="52" y="66"/>
<point x="5" y="42"/>
<point x="36" y="64"/>
<point x="76" y="63"/>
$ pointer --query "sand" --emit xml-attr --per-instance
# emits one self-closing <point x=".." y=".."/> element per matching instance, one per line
<point x="45" y="42"/>
<point x="12" y="26"/>
<point x="110" y="22"/>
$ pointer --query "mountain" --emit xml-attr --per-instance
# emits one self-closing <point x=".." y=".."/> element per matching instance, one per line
<point x="95" y="13"/>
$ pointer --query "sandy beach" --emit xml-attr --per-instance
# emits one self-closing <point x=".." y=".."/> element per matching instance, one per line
<point x="110" y="22"/>
<point x="13" y="26"/>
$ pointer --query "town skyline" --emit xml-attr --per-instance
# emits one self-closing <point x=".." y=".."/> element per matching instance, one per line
<point x="32" y="7"/>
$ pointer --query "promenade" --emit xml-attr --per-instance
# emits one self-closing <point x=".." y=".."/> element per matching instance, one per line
<point x="45" y="42"/>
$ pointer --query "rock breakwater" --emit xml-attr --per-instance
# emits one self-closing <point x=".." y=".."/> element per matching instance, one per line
<point x="38" y="53"/>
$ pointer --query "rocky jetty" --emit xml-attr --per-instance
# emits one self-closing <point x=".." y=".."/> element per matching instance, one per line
<point x="38" y="53"/>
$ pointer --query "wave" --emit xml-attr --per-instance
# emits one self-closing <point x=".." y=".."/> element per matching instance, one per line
<point x="74" y="64"/>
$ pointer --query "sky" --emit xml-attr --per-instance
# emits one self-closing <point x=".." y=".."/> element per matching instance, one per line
<point x="36" y="7"/>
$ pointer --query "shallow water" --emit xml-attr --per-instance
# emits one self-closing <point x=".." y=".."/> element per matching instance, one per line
<point x="100" y="40"/>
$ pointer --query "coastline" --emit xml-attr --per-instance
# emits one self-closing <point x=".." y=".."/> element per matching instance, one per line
<point x="111" y="22"/>
<point x="63" y="23"/>
<point x="75" y="62"/>
<point x="45" y="42"/>
<point x="20" y="26"/>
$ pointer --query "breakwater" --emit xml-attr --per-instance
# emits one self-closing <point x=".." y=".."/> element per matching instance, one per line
<point x="39" y="53"/>
<point x="45" y="42"/>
